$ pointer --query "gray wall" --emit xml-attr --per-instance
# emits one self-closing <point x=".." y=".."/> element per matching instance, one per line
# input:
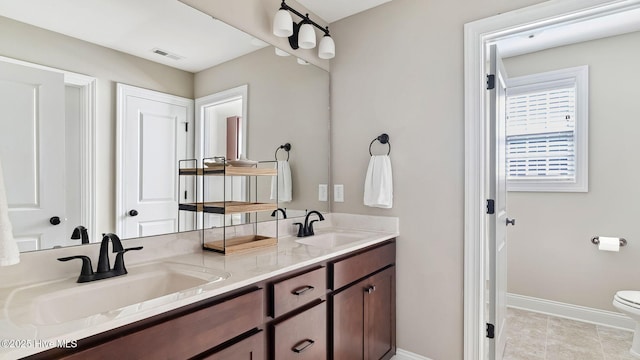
<point x="399" y="69"/>
<point x="28" y="43"/>
<point x="550" y="253"/>
<point x="287" y="102"/>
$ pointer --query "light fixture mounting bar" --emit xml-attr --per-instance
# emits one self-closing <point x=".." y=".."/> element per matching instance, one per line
<point x="304" y="17"/>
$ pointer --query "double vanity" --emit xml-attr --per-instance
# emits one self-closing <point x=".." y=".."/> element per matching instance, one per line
<point x="330" y="295"/>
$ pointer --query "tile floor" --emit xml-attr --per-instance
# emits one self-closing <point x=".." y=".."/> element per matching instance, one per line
<point x="535" y="336"/>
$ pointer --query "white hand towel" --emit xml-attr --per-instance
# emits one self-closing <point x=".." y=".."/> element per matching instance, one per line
<point x="281" y="185"/>
<point x="378" y="185"/>
<point x="9" y="254"/>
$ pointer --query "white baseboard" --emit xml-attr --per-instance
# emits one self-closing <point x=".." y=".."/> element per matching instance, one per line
<point x="406" y="355"/>
<point x="569" y="311"/>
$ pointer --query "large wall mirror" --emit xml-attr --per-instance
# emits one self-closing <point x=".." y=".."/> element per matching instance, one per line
<point x="283" y="102"/>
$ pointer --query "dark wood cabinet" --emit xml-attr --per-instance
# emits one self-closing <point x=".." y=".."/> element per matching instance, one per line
<point x="180" y="334"/>
<point x="251" y="348"/>
<point x="303" y="336"/>
<point x="340" y="308"/>
<point x="363" y="315"/>
<point x="296" y="291"/>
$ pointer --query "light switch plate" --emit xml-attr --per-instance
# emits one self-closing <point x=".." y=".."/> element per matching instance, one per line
<point x="338" y="193"/>
<point x="323" y="190"/>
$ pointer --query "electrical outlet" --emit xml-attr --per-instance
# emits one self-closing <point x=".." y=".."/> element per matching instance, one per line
<point x="338" y="193"/>
<point x="323" y="190"/>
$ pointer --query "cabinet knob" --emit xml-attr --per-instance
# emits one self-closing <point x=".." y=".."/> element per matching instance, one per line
<point x="133" y="212"/>
<point x="370" y="289"/>
<point x="55" y="220"/>
<point x="302" y="346"/>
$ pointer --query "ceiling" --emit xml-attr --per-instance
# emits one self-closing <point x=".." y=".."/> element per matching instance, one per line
<point x="193" y="40"/>
<point x="553" y="36"/>
<point x="334" y="10"/>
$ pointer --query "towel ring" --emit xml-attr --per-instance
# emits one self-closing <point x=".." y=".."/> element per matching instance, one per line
<point x="286" y="147"/>
<point x="383" y="139"/>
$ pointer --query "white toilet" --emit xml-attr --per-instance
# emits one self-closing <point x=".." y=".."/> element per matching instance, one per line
<point x="628" y="302"/>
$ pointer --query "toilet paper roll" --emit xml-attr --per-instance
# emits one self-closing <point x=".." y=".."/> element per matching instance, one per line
<point x="609" y="243"/>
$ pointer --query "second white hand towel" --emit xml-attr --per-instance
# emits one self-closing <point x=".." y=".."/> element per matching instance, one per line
<point x="281" y="186"/>
<point x="378" y="185"/>
<point x="9" y="254"/>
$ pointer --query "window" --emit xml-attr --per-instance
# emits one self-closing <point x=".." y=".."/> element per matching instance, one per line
<point x="546" y="144"/>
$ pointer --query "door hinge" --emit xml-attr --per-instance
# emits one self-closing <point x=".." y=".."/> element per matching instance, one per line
<point x="490" y="331"/>
<point x="491" y="82"/>
<point x="491" y="206"/>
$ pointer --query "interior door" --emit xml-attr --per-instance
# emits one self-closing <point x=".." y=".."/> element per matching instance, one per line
<point x="32" y="150"/>
<point x="497" y="222"/>
<point x="156" y="131"/>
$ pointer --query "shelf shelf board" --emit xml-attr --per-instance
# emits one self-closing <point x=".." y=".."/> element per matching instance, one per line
<point x="229" y="171"/>
<point x="229" y="207"/>
<point x="239" y="244"/>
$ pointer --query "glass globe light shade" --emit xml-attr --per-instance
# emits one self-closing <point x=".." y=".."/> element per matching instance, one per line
<point x="306" y="36"/>
<point x="282" y="24"/>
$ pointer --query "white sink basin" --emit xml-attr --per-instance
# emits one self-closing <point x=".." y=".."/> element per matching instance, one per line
<point x="144" y="286"/>
<point x="333" y="240"/>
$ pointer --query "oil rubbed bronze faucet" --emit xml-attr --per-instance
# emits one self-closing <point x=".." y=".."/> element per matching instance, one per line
<point x="80" y="232"/>
<point x="283" y="211"/>
<point x="104" y="270"/>
<point x="306" y="229"/>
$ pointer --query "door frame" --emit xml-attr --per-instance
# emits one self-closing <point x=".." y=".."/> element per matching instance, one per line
<point x="201" y="104"/>
<point x="88" y="95"/>
<point x="477" y="35"/>
<point x="238" y="92"/>
<point x="123" y="91"/>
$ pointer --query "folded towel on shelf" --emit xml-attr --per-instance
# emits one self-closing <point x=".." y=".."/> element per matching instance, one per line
<point x="378" y="185"/>
<point x="281" y="185"/>
<point x="9" y="254"/>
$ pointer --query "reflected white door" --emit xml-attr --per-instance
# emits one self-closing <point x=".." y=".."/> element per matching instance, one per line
<point x="32" y="150"/>
<point x="156" y="131"/>
<point x="497" y="222"/>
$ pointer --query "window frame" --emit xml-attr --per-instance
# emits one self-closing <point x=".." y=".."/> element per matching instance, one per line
<point x="549" y="80"/>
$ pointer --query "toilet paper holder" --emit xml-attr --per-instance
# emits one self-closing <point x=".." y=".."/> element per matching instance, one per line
<point x="596" y="241"/>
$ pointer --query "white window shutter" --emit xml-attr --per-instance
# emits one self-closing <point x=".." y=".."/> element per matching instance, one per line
<point x="546" y="139"/>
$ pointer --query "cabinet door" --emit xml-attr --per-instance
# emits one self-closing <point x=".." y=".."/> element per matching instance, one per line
<point x="364" y="319"/>
<point x="379" y="319"/>
<point x="348" y="322"/>
<point x="251" y="348"/>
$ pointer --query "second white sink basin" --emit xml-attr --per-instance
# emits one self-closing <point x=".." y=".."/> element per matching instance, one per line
<point x="145" y="286"/>
<point x="332" y="240"/>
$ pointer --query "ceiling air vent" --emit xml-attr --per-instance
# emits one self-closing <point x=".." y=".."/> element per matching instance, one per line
<point x="166" y="54"/>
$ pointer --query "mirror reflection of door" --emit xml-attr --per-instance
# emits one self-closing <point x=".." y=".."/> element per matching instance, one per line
<point x="156" y="131"/>
<point x="223" y="127"/>
<point x="32" y="103"/>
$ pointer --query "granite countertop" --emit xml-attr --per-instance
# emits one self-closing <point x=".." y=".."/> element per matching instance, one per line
<point x="20" y="338"/>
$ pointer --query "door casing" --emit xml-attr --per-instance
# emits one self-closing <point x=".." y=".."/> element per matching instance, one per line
<point x="477" y="36"/>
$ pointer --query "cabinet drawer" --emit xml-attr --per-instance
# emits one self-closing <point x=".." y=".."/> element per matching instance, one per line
<point x="299" y="290"/>
<point x="358" y="266"/>
<point x="303" y="336"/>
<point x="251" y="348"/>
<point x="187" y="335"/>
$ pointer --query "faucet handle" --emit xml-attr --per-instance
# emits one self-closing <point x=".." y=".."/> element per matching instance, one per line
<point x="87" y="269"/>
<point x="119" y="265"/>
<point x="300" y="229"/>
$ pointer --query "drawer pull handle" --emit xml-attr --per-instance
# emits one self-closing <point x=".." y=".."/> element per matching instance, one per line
<point x="301" y="290"/>
<point x="370" y="289"/>
<point x="302" y="346"/>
